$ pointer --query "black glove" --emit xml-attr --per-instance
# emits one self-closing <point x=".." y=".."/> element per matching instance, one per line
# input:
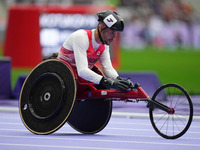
<point x="119" y="83"/>
<point x="128" y="82"/>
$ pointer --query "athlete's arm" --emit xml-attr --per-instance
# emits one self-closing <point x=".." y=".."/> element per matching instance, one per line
<point x="80" y="44"/>
<point x="106" y="64"/>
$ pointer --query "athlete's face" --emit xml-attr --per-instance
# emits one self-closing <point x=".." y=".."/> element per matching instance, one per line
<point x="108" y="36"/>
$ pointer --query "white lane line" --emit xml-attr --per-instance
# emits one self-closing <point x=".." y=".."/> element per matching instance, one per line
<point x="111" y="128"/>
<point x="143" y="124"/>
<point x="59" y="146"/>
<point x="147" y="136"/>
<point x="10" y="123"/>
<point x="114" y="113"/>
<point x="106" y="140"/>
<point x="21" y="130"/>
<point x="109" y="134"/>
<point x="110" y="123"/>
<point x="136" y="129"/>
<point x="9" y="109"/>
<point x="107" y="128"/>
<point x="139" y="115"/>
<point x="10" y="117"/>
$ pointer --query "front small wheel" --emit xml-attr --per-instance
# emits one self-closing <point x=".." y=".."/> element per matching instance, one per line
<point x="172" y="125"/>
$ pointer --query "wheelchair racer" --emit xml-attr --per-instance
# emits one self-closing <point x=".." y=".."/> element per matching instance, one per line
<point x="83" y="48"/>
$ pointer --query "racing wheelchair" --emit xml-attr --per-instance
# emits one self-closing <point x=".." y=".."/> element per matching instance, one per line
<point x="54" y="94"/>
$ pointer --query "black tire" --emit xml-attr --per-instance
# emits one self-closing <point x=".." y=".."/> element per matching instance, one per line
<point x="47" y="97"/>
<point x="172" y="126"/>
<point x="90" y="116"/>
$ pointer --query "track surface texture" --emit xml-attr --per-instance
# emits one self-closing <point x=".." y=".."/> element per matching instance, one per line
<point x="128" y="129"/>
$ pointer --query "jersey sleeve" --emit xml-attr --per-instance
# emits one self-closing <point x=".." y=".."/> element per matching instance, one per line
<point x="80" y="44"/>
<point x="106" y="64"/>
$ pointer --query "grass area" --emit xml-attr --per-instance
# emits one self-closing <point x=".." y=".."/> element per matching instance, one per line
<point x="181" y="67"/>
<point x="16" y="73"/>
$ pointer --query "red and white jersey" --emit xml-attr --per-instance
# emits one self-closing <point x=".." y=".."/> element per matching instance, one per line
<point x="82" y="51"/>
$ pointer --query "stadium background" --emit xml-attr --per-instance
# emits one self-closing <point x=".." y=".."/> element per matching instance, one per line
<point x="161" y="36"/>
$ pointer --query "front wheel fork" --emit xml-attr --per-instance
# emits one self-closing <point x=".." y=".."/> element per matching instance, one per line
<point x="155" y="104"/>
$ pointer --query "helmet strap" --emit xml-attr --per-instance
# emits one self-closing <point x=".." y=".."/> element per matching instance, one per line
<point x="100" y="34"/>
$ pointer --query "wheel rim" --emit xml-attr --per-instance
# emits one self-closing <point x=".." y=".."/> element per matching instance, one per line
<point x="172" y="125"/>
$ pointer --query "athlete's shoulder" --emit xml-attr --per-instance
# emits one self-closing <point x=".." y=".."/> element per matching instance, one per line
<point x="80" y="38"/>
<point x="79" y="33"/>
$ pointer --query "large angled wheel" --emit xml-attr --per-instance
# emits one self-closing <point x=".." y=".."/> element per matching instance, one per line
<point x="47" y="97"/>
<point x="172" y="125"/>
<point x="90" y="116"/>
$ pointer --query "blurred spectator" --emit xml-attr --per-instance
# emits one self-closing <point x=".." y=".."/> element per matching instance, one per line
<point x="162" y="23"/>
<point x="196" y="31"/>
<point x="133" y="35"/>
<point x="168" y="23"/>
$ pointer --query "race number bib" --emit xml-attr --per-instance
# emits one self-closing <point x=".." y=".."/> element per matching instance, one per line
<point x="110" y="20"/>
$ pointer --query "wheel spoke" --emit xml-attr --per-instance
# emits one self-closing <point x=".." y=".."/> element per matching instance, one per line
<point x="164" y="123"/>
<point x="176" y="125"/>
<point x="180" y="119"/>
<point x="179" y="104"/>
<point x="160" y="118"/>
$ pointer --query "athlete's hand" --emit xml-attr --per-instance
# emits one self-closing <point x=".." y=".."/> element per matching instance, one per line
<point x="119" y="83"/>
<point x="128" y="82"/>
